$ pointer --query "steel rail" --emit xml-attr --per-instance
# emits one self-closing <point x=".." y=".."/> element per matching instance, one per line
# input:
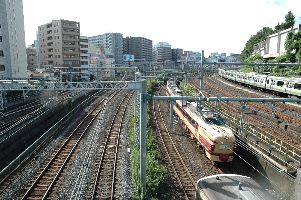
<point x="4" y="183"/>
<point x="109" y="138"/>
<point x="69" y="141"/>
<point x="174" y="157"/>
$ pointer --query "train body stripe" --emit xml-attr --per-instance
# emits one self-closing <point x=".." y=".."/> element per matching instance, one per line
<point x="205" y="143"/>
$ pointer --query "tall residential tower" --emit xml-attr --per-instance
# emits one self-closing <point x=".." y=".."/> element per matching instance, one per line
<point x="13" y="59"/>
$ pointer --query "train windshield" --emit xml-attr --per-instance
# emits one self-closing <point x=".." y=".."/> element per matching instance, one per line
<point x="216" y="120"/>
<point x="297" y="86"/>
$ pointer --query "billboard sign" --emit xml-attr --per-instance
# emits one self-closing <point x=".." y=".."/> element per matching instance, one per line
<point x="128" y="57"/>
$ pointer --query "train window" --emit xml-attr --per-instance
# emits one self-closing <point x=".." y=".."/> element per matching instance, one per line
<point x="297" y="86"/>
<point x="280" y="83"/>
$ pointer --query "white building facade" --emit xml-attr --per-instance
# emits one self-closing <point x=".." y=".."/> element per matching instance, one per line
<point x="13" y="59"/>
<point x="84" y="57"/>
<point x="162" y="52"/>
<point x="112" y="44"/>
<point x="274" y="45"/>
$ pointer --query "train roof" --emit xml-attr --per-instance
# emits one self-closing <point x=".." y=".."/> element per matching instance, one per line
<point x="231" y="186"/>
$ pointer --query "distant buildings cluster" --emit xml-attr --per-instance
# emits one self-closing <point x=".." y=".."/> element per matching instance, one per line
<point x="222" y="57"/>
<point x="59" y="44"/>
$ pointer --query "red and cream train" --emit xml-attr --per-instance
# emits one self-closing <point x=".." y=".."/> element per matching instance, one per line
<point x="207" y="127"/>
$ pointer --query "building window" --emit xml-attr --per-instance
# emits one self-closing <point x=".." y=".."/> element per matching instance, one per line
<point x="1" y="53"/>
<point x="2" y="68"/>
<point x="0" y="38"/>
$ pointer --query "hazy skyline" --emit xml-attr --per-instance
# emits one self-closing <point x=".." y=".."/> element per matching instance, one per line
<point x="215" y="25"/>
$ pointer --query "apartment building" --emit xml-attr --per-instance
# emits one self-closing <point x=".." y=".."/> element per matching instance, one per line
<point x="112" y="44"/>
<point x="59" y="42"/>
<point x="162" y="52"/>
<point x="32" y="61"/>
<point x="140" y="47"/>
<point x="12" y="40"/>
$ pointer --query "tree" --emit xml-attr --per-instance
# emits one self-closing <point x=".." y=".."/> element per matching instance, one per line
<point x="289" y="20"/>
<point x="288" y="45"/>
<point x="278" y="27"/>
<point x="298" y="56"/>
<point x="293" y="46"/>
<point x="255" y="39"/>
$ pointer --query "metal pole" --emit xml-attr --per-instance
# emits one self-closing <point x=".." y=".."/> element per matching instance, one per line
<point x="1" y="100"/>
<point x="143" y="113"/>
<point x="201" y="71"/>
<point x="297" y="184"/>
<point x="171" y="114"/>
<point x="243" y="107"/>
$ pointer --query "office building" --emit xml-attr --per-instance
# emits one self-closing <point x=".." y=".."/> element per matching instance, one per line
<point x="140" y="47"/>
<point x="176" y="54"/>
<point x="13" y="61"/>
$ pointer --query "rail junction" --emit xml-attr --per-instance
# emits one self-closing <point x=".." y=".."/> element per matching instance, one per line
<point x="275" y="151"/>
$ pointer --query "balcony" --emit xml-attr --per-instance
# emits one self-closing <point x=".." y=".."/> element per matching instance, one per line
<point x="49" y="25"/>
<point x="71" y="38"/>
<point x="70" y="31"/>
<point x="71" y="44"/>
<point x="49" y="44"/>
<point x="70" y="25"/>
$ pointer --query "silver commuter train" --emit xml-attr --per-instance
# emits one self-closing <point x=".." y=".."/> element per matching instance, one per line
<point x="229" y="187"/>
<point x="284" y="85"/>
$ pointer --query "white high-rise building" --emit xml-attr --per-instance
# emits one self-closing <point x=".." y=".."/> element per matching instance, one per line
<point x="112" y="44"/>
<point x="13" y="59"/>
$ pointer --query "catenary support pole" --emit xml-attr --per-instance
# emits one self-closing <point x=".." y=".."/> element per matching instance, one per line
<point x="171" y="114"/>
<point x="143" y="112"/>
<point x="2" y="100"/>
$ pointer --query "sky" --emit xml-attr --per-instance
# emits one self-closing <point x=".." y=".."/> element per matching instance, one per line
<point x="193" y="25"/>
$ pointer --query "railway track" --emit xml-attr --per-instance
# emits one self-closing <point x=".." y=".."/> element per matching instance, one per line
<point x="176" y="164"/>
<point x="270" y="122"/>
<point x="43" y="184"/>
<point x="260" y="122"/>
<point x="105" y="176"/>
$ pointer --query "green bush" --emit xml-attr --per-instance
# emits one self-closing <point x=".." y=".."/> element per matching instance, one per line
<point x="156" y="173"/>
<point x="188" y="89"/>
